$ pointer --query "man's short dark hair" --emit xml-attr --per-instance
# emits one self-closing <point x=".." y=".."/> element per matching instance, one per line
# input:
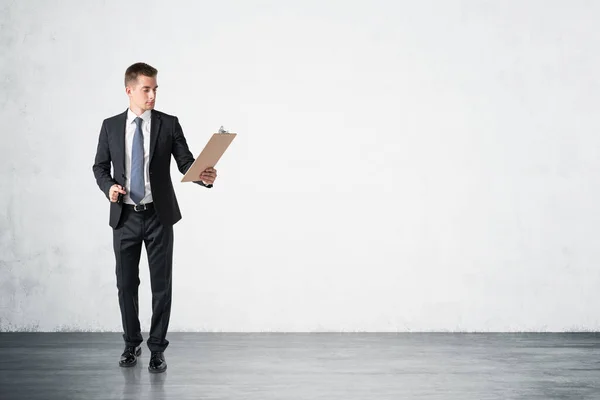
<point x="137" y="69"/>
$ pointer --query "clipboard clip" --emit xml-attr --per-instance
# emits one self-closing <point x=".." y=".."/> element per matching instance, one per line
<point x="221" y="130"/>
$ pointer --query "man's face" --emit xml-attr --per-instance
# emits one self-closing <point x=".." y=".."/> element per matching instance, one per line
<point x="142" y="93"/>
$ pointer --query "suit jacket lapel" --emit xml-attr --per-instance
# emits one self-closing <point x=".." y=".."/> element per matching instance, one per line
<point x="122" y="129"/>
<point x="154" y="131"/>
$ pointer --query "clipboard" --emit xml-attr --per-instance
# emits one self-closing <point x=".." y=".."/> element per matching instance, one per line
<point x="210" y="155"/>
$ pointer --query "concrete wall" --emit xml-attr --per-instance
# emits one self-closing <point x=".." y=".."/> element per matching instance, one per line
<point x="400" y="166"/>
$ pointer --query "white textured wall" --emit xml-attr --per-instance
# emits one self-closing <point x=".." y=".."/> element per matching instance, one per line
<point x="400" y="166"/>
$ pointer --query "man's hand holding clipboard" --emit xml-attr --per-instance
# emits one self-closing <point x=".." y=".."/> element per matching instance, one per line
<point x="208" y="176"/>
<point x="203" y="167"/>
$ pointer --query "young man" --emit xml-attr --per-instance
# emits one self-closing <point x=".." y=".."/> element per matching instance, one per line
<point x="143" y="207"/>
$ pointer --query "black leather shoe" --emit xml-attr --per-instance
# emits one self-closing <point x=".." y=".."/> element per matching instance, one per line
<point x="157" y="362"/>
<point x="129" y="356"/>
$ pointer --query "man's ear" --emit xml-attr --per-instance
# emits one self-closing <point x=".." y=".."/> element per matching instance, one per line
<point x="128" y="90"/>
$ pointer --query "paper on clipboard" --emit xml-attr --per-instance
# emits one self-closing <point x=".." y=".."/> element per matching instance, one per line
<point x="210" y="155"/>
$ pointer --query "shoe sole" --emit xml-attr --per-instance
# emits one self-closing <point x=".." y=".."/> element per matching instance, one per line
<point x="137" y="354"/>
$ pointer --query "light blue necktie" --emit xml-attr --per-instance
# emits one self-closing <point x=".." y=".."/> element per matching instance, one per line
<point x="137" y="186"/>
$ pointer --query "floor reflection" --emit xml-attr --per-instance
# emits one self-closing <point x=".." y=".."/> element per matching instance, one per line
<point x="139" y="383"/>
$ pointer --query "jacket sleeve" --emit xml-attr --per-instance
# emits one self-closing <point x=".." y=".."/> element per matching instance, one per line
<point x="101" y="165"/>
<point x="181" y="152"/>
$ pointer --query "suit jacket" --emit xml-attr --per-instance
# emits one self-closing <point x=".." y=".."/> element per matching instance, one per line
<point x="166" y="138"/>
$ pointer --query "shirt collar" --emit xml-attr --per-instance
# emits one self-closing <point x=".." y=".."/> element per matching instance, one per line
<point x="145" y="116"/>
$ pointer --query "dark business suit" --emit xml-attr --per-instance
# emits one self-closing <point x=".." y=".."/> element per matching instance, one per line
<point x="153" y="226"/>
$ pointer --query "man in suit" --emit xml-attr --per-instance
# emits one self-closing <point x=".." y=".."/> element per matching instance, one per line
<point x="143" y="208"/>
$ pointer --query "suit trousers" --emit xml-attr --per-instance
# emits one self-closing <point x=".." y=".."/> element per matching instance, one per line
<point x="134" y="228"/>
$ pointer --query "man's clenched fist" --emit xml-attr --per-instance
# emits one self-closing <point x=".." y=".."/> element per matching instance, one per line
<point x="114" y="191"/>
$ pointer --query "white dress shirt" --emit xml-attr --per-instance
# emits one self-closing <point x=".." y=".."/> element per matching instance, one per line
<point x="129" y="132"/>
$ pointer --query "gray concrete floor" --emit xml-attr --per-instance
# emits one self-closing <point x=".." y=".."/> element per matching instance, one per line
<point x="305" y="366"/>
